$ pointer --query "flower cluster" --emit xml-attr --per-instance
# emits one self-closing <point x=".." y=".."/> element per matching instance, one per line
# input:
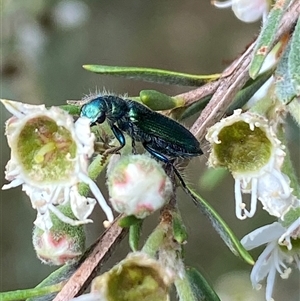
<point x="246" y="144"/>
<point x="49" y="158"/>
<point x="280" y="255"/>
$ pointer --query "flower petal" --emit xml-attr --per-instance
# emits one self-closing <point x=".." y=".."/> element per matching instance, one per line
<point x="262" y="235"/>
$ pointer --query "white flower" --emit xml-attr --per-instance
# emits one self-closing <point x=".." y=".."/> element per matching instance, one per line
<point x="275" y="257"/>
<point x="246" y="10"/>
<point x="275" y="193"/>
<point x="49" y="157"/>
<point x="246" y="144"/>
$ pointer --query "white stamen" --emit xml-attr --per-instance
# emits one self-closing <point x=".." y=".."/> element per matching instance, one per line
<point x="286" y="273"/>
<point x="286" y="237"/>
<point x="285" y="186"/>
<point x="98" y="195"/>
<point x="238" y="200"/>
<point x="253" y="197"/>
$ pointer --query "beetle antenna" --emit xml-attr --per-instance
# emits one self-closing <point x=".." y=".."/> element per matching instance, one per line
<point x="187" y="189"/>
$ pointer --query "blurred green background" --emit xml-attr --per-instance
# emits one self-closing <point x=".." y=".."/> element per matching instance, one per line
<point x="43" y="46"/>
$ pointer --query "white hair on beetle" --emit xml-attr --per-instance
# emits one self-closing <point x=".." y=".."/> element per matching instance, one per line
<point x="92" y="95"/>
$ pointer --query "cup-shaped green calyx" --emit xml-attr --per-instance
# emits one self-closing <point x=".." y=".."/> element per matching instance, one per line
<point x="246" y="144"/>
<point x="137" y="278"/>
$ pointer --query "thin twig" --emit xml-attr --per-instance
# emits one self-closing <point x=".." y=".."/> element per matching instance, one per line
<point x="201" y="92"/>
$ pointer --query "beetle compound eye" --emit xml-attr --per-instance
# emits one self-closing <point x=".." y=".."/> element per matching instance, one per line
<point x="101" y="118"/>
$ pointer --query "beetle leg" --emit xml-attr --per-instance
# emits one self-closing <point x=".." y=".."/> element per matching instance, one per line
<point x="156" y="154"/>
<point x="166" y="160"/>
<point x="120" y="137"/>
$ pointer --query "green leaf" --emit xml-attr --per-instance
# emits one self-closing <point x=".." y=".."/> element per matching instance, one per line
<point x="184" y="289"/>
<point x="182" y="113"/>
<point x="200" y="287"/>
<point x="194" y="287"/>
<point x="179" y="230"/>
<point x="30" y="293"/>
<point x="155" y="240"/>
<point x="134" y="235"/>
<point x="221" y="227"/>
<point x="57" y="277"/>
<point x="265" y="40"/>
<point x="284" y="88"/>
<point x="158" y="101"/>
<point x="153" y="75"/>
<point x="294" y="109"/>
<point x="251" y="87"/>
<point x="294" y="59"/>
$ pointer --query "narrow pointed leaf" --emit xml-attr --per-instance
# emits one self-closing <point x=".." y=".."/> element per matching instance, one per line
<point x="154" y="241"/>
<point x="294" y="109"/>
<point x="294" y="59"/>
<point x="30" y="293"/>
<point x="221" y="227"/>
<point x="265" y="40"/>
<point x="153" y="75"/>
<point x="251" y="87"/>
<point x="55" y="278"/>
<point x="183" y="113"/>
<point x="200" y="287"/>
<point x="284" y="88"/>
<point x="184" y="289"/>
<point x="134" y="235"/>
<point x="94" y="170"/>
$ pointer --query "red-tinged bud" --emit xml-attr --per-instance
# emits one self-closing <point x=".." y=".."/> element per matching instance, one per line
<point x="62" y="244"/>
<point x="138" y="185"/>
